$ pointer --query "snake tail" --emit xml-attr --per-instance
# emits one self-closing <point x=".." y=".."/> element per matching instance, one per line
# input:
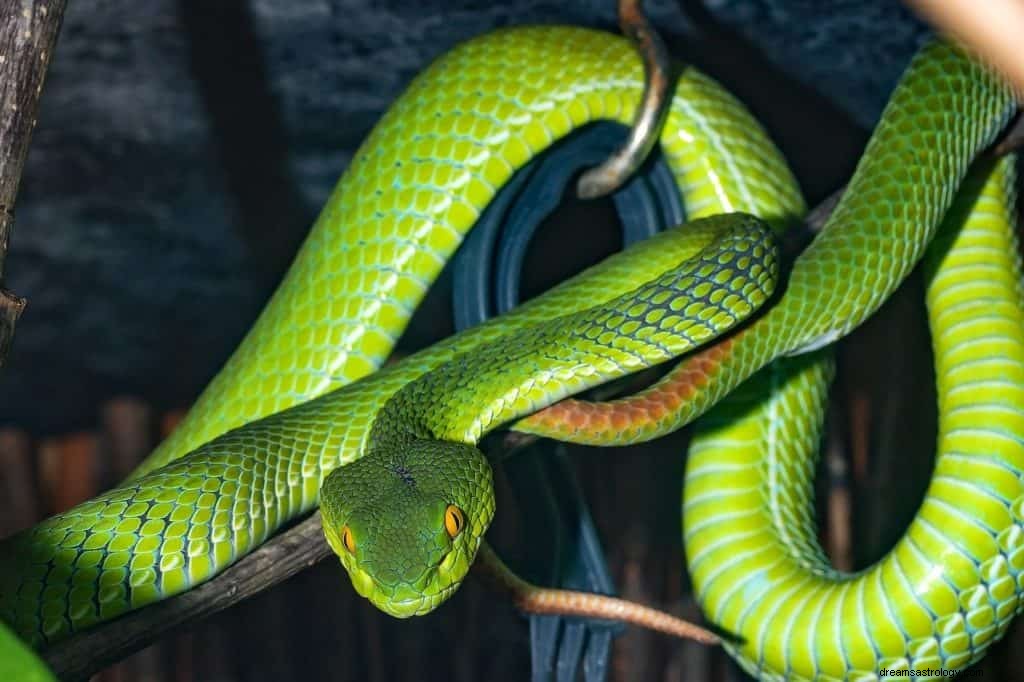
<point x="530" y="598"/>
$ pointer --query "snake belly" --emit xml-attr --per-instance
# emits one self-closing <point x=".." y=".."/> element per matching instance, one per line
<point x="953" y="583"/>
<point x="254" y="450"/>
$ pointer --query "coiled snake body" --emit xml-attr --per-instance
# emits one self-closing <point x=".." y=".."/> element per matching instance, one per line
<point x="268" y="439"/>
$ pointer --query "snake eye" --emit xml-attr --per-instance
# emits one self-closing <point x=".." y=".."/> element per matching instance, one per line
<point x="453" y="520"/>
<point x="348" y="540"/>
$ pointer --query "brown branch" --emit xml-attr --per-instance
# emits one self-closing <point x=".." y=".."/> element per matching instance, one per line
<point x="81" y="655"/>
<point x="28" y="32"/>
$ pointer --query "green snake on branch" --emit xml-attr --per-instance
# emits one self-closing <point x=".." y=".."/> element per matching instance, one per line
<point x="303" y="414"/>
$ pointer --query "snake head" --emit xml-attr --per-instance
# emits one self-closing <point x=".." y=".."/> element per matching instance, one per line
<point x="406" y="521"/>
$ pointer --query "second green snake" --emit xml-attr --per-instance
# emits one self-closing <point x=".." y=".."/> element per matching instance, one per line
<point x="408" y="509"/>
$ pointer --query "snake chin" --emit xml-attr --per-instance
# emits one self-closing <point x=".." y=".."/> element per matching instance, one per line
<point x="418" y="604"/>
<point x="405" y="600"/>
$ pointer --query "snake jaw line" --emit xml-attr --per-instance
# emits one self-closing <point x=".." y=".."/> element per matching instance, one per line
<point x="379" y="594"/>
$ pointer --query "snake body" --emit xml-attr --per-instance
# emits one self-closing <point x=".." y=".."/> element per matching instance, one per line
<point x="270" y="430"/>
<point x="212" y="492"/>
<point x="952" y="584"/>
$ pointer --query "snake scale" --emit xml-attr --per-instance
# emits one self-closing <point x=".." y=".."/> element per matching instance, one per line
<point x="303" y="415"/>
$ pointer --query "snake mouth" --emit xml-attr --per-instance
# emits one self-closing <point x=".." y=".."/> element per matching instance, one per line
<point x="380" y="594"/>
<point x="419" y="606"/>
<point x="411" y="606"/>
<point x="403" y="599"/>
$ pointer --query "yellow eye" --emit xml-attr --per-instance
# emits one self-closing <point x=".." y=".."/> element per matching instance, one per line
<point x="453" y="520"/>
<point x="348" y="540"/>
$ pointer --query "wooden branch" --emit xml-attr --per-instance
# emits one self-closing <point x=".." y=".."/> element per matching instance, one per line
<point x="28" y="33"/>
<point x="81" y="655"/>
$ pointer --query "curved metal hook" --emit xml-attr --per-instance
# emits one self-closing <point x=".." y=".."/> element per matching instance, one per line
<point x="613" y="173"/>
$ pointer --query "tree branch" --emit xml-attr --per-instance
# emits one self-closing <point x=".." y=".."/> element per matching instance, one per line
<point x="28" y="32"/>
<point x="284" y="555"/>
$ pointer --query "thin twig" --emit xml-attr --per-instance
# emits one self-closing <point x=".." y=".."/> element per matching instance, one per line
<point x="28" y="32"/>
<point x="1012" y="139"/>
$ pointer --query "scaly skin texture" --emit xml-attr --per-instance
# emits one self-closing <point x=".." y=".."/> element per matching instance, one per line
<point x="951" y="586"/>
<point x="945" y="110"/>
<point x="423" y="176"/>
<point x="420" y="457"/>
<point x="414" y="188"/>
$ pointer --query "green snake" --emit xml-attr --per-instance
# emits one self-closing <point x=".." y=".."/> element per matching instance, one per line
<point x="303" y="415"/>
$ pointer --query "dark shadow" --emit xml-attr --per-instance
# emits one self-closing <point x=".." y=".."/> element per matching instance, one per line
<point x="821" y="142"/>
<point x="229" y="68"/>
